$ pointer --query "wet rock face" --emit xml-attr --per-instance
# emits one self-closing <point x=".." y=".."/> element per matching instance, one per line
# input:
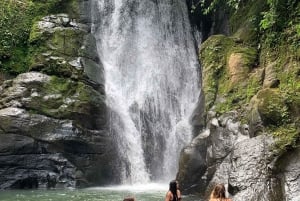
<point x="193" y="165"/>
<point x="288" y="171"/>
<point x="56" y="97"/>
<point x="38" y="149"/>
<point x="248" y="169"/>
<point x="65" y="47"/>
<point x="53" y="120"/>
<point x="200" y="160"/>
<point x="249" y="166"/>
<point x="27" y="163"/>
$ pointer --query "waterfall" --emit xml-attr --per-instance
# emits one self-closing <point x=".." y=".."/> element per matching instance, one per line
<point x="151" y="82"/>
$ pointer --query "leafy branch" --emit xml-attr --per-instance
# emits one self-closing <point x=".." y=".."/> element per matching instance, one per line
<point x="208" y="6"/>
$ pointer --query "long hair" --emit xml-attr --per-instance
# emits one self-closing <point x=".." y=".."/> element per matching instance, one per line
<point x="129" y="199"/>
<point x="218" y="192"/>
<point x="173" y="189"/>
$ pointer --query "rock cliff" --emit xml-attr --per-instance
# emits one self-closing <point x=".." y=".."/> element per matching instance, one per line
<point x="52" y="118"/>
<point x="250" y="137"/>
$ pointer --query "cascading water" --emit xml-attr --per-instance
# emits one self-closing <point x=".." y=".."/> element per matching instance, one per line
<point x="151" y="82"/>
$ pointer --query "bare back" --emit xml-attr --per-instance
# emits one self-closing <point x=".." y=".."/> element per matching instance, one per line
<point x="220" y="199"/>
<point x="169" y="196"/>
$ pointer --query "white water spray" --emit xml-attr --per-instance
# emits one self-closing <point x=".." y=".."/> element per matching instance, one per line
<point x="151" y="82"/>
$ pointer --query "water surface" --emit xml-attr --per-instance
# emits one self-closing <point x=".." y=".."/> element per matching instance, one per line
<point x="152" y="192"/>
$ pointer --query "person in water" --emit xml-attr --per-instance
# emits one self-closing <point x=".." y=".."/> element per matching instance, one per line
<point x="218" y="193"/>
<point x="174" y="193"/>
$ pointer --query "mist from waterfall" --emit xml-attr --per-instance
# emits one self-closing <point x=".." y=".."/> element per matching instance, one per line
<point x="151" y="82"/>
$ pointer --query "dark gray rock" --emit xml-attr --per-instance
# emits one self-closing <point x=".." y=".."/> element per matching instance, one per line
<point x="287" y="170"/>
<point x="198" y="117"/>
<point x="249" y="166"/>
<point x="53" y="128"/>
<point x="248" y="169"/>
<point x="199" y="161"/>
<point x="193" y="165"/>
<point x="36" y="150"/>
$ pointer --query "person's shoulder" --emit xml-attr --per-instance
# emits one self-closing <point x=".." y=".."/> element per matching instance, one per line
<point x="169" y="193"/>
<point x="179" y="194"/>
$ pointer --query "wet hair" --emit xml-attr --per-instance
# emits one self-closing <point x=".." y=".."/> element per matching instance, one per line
<point x="218" y="192"/>
<point x="173" y="189"/>
<point x="129" y="199"/>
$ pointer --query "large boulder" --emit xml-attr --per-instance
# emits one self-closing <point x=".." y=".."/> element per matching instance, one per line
<point x="270" y="106"/>
<point x="200" y="160"/>
<point x="249" y="166"/>
<point x="52" y="133"/>
<point x="288" y="172"/>
<point x="55" y="97"/>
<point x="63" y="47"/>
<point x="53" y="119"/>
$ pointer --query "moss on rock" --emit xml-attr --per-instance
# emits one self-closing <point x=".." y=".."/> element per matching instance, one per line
<point x="55" y="46"/>
<point x="256" y="71"/>
<point x="66" y="99"/>
<point x="226" y="66"/>
<point x="287" y="137"/>
<point x="272" y="107"/>
<point x="213" y="58"/>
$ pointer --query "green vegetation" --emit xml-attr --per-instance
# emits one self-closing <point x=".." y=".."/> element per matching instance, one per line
<point x="281" y="45"/>
<point x="272" y="107"/>
<point x="63" y="98"/>
<point x="255" y="71"/>
<point x="212" y="56"/>
<point x="17" y="18"/>
<point x="281" y="13"/>
<point x="15" y="23"/>
<point x="226" y="67"/>
<point x="244" y="22"/>
<point x="234" y="68"/>
<point x="281" y="22"/>
<point x="209" y="6"/>
<point x="287" y="137"/>
<point x="50" y="53"/>
<point x="60" y="86"/>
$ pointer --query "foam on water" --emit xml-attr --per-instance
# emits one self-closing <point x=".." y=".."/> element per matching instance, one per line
<point x="149" y="187"/>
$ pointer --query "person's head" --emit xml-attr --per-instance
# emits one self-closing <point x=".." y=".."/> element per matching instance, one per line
<point x="173" y="186"/>
<point x="129" y="199"/>
<point x="218" y="191"/>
